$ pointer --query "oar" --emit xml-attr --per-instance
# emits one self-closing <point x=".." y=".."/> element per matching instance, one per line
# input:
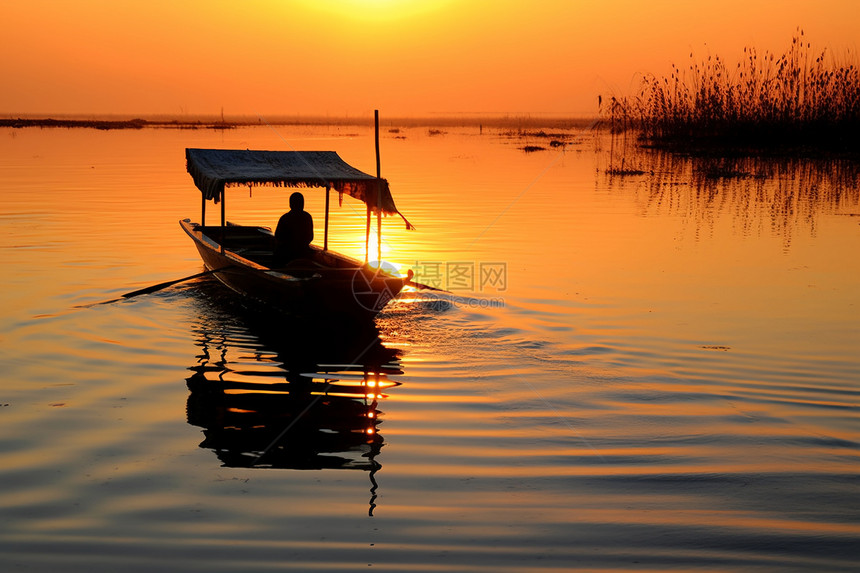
<point x="153" y="288"/>
<point x="425" y="287"/>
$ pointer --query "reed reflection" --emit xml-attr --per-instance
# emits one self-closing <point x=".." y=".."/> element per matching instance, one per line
<point x="776" y="195"/>
<point x="270" y="395"/>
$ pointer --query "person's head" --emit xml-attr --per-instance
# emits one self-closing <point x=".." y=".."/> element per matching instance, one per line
<point x="297" y="201"/>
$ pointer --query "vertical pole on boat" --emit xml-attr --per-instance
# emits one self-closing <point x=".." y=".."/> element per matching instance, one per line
<point x="223" y="210"/>
<point x="376" y="138"/>
<point x="223" y="218"/>
<point x="378" y="190"/>
<point x="203" y="210"/>
<point x="379" y="225"/>
<point x="367" y="236"/>
<point x="325" y="240"/>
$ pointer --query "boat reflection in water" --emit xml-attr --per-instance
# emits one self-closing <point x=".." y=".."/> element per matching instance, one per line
<point x="269" y="394"/>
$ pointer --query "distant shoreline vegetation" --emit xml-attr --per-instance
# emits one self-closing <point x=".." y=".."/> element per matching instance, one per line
<point x="798" y="103"/>
<point x="501" y="121"/>
<point x="108" y="124"/>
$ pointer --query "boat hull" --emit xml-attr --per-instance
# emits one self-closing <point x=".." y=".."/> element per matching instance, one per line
<point x="329" y="284"/>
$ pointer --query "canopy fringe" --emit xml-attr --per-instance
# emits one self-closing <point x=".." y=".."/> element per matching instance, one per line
<point x="215" y="169"/>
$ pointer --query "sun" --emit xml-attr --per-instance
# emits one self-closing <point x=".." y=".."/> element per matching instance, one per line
<point x="379" y="10"/>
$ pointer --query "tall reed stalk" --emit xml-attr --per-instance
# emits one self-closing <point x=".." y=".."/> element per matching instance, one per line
<point x="799" y="99"/>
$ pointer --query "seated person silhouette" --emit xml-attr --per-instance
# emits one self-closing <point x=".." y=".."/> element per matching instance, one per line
<point x="294" y="232"/>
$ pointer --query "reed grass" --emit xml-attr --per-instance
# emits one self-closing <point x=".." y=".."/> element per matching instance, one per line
<point x="800" y="100"/>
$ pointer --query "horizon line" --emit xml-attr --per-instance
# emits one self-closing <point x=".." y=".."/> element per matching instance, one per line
<point x="436" y="119"/>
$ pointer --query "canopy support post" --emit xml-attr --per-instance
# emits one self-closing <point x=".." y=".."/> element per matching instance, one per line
<point x="327" y="194"/>
<point x="367" y="236"/>
<point x="223" y="218"/>
<point x="203" y="210"/>
<point x="379" y="232"/>
<point x="378" y="192"/>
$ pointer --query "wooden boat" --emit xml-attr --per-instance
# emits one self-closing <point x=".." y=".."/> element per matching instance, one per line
<point x="243" y="257"/>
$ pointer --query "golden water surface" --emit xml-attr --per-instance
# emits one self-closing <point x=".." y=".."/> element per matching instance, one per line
<point x="654" y="370"/>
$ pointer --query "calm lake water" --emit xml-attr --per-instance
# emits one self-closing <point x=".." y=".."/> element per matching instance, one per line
<point x="632" y="372"/>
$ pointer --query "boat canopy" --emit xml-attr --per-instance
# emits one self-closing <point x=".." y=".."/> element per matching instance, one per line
<point x="215" y="169"/>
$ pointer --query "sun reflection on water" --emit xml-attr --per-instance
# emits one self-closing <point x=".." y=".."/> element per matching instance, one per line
<point x="267" y="398"/>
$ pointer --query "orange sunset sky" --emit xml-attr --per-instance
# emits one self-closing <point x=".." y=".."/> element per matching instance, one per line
<point x="404" y="57"/>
